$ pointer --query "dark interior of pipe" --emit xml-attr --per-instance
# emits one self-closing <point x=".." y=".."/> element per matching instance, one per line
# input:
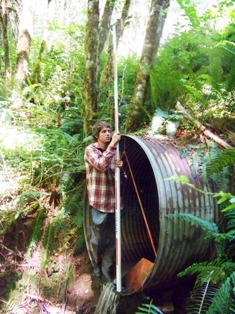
<point x="136" y="242"/>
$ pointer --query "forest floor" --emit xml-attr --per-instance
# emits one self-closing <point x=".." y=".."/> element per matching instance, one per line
<point x="66" y="286"/>
<point x="27" y="289"/>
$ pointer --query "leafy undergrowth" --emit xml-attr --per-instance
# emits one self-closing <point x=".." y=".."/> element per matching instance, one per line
<point x="40" y="276"/>
<point x="44" y="267"/>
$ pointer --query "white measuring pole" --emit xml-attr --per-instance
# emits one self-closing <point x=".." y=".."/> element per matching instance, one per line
<point x="117" y="174"/>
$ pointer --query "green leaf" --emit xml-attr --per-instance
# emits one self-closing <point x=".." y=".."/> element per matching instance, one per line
<point x="230" y="207"/>
<point x="182" y="179"/>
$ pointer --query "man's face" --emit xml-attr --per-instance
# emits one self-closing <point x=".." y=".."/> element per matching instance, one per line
<point x="104" y="135"/>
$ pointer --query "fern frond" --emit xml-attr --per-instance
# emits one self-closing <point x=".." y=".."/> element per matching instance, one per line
<point x="37" y="231"/>
<point x="224" y="299"/>
<point x="230" y="216"/>
<point x="216" y="270"/>
<point x="27" y="197"/>
<point x="149" y="309"/>
<point x="224" y="159"/>
<point x="201" y="298"/>
<point x="209" y="226"/>
<point x="47" y="243"/>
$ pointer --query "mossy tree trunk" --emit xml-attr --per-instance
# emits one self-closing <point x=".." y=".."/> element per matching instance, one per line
<point x="4" y="26"/>
<point x="36" y="75"/>
<point x="157" y="16"/>
<point x="106" y="79"/>
<point x="24" y="43"/>
<point x="90" y="76"/>
<point x="95" y="39"/>
<point x="104" y="25"/>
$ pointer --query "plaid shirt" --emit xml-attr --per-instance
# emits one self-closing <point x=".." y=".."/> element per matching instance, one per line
<point x="100" y="177"/>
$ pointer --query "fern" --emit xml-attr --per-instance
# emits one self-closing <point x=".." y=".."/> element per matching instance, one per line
<point x="230" y="217"/>
<point x="224" y="299"/>
<point x="149" y="309"/>
<point x="215" y="280"/>
<point x="216" y="271"/>
<point x="7" y="218"/>
<point x="37" y="231"/>
<point x="27" y="203"/>
<point x="47" y="243"/>
<point x="227" y="199"/>
<point x="209" y="226"/>
<point x="210" y="298"/>
<point x="224" y="159"/>
<point x="201" y="298"/>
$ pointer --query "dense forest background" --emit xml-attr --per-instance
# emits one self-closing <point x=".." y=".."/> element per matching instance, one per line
<point x="176" y="80"/>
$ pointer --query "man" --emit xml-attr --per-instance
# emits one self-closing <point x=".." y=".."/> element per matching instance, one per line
<point x="100" y="164"/>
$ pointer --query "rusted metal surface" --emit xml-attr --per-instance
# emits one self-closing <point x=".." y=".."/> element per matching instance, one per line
<point x="178" y="243"/>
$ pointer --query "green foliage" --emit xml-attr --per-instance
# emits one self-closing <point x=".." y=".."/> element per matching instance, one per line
<point x="43" y="142"/>
<point x="203" y="155"/>
<point x="223" y="159"/>
<point x="226" y="198"/>
<point x="211" y="228"/>
<point x="213" y="289"/>
<point x="48" y="241"/>
<point x="166" y="123"/>
<point x="127" y="69"/>
<point x="148" y="308"/>
<point x="61" y="70"/>
<point x="215" y="271"/>
<point x="201" y="299"/>
<point x="198" y="157"/>
<point x="7" y="218"/>
<point x="196" y="67"/>
<point x="26" y="204"/>
<point x="60" y="235"/>
<point x="190" y="12"/>
<point x="224" y="298"/>
<point x="209" y="298"/>
<point x="37" y="231"/>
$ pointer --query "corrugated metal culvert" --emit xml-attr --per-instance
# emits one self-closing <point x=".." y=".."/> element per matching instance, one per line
<point x="177" y="242"/>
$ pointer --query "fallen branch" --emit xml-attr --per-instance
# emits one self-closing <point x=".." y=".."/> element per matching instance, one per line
<point x="201" y="127"/>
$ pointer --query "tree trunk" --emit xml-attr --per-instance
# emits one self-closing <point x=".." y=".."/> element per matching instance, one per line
<point x="24" y="43"/>
<point x="36" y="75"/>
<point x="4" y="23"/>
<point x="107" y="74"/>
<point x="89" y="106"/>
<point x="104" y="26"/>
<point x="157" y="16"/>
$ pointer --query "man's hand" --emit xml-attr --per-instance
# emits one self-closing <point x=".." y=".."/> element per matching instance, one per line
<point x="118" y="163"/>
<point x="115" y="138"/>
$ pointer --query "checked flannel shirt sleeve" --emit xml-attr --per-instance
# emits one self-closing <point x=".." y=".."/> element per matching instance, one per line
<point x="100" y="177"/>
